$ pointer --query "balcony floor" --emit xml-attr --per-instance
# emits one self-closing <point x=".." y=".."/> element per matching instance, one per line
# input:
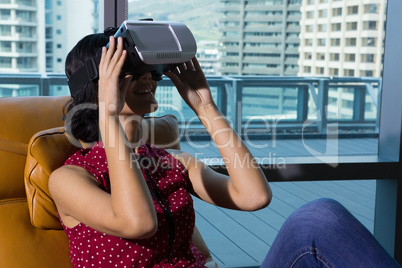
<point x="242" y="239"/>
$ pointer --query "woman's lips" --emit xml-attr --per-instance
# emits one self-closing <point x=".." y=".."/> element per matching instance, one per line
<point x="143" y="91"/>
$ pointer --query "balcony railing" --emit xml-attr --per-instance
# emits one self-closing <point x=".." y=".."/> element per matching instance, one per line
<point x="253" y="104"/>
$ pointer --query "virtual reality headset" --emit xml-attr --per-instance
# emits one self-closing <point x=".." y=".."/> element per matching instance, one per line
<point x="152" y="46"/>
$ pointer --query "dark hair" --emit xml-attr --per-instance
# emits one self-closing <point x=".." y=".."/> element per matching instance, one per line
<point x="84" y="122"/>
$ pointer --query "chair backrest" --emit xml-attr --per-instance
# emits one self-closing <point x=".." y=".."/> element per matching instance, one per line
<point x="20" y="119"/>
<point x="23" y="245"/>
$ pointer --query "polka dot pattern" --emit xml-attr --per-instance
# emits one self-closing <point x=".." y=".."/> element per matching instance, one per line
<point x="91" y="248"/>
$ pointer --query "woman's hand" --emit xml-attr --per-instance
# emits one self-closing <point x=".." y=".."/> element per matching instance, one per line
<point x="112" y="91"/>
<point x="192" y="85"/>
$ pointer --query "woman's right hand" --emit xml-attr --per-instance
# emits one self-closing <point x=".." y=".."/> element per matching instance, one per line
<point x="112" y="91"/>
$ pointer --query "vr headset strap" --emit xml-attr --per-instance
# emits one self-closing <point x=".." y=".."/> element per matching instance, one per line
<point x="84" y="75"/>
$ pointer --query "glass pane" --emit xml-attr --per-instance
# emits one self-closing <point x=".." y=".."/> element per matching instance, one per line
<point x="288" y="67"/>
<point x="36" y="37"/>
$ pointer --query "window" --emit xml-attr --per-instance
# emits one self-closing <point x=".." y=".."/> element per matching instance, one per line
<point x="322" y="27"/>
<point x="371" y="9"/>
<point x="335" y="42"/>
<point x="310" y="14"/>
<point x="5" y="62"/>
<point x="337" y="12"/>
<point x="350" y="57"/>
<point x="370" y="25"/>
<point x="351" y="26"/>
<point x="367" y="73"/>
<point x="369" y="42"/>
<point x="334" y="56"/>
<point x="333" y="71"/>
<point x="322" y="13"/>
<point x="25" y="16"/>
<point x="336" y="27"/>
<point x="49" y="47"/>
<point x="5" y="46"/>
<point x="321" y="42"/>
<point x="349" y="72"/>
<point x="320" y="56"/>
<point x="319" y="70"/>
<point x="240" y="46"/>
<point x="49" y="32"/>
<point x="350" y="42"/>
<point x="353" y="10"/>
<point x="5" y="14"/>
<point x="5" y="30"/>
<point x="369" y="58"/>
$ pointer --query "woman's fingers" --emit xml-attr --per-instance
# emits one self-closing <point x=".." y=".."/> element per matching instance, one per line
<point x="113" y="58"/>
<point x="110" y="51"/>
<point x="196" y="64"/>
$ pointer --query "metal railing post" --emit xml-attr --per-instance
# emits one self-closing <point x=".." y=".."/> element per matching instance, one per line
<point x="302" y="103"/>
<point x="322" y="106"/>
<point x="359" y="102"/>
<point x="222" y="99"/>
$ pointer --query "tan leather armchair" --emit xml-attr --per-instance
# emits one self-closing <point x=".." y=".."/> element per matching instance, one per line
<point x="32" y="144"/>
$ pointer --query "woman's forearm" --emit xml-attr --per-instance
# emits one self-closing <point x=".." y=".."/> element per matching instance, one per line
<point x="246" y="176"/>
<point x="130" y="197"/>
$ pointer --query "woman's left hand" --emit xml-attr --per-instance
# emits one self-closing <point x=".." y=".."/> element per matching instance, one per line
<point x="192" y="85"/>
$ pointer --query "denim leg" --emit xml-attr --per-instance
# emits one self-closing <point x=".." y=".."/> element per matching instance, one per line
<point x="323" y="233"/>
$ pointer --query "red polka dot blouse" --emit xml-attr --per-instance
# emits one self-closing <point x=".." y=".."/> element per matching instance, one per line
<point x="167" y="248"/>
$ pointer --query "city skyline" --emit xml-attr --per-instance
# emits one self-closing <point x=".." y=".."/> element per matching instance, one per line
<point x="270" y="37"/>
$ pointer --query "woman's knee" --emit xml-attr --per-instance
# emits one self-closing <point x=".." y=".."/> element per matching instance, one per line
<point x="318" y="214"/>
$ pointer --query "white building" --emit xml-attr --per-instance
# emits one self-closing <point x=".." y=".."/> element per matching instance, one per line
<point x="208" y="56"/>
<point x="260" y="37"/>
<point x="36" y="35"/>
<point x="342" y="38"/>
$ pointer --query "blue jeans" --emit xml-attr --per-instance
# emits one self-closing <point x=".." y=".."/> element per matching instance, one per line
<point x="323" y="233"/>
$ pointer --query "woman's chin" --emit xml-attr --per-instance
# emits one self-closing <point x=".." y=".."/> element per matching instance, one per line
<point x="140" y="108"/>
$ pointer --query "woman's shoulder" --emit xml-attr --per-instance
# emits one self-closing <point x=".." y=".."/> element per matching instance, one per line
<point x="87" y="155"/>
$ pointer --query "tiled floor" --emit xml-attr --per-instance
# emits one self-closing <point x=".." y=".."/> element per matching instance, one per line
<point x="242" y="239"/>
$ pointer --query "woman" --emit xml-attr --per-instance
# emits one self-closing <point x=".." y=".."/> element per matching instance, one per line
<point x="124" y="211"/>
<point x="117" y="201"/>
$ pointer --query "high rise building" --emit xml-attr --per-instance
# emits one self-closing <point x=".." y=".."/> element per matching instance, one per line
<point x="20" y="36"/>
<point x="342" y="38"/>
<point x="36" y="35"/>
<point x="260" y="37"/>
<point x="208" y="56"/>
<point x="66" y="23"/>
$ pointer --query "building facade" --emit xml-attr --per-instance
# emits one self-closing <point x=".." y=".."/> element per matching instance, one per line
<point x="342" y="38"/>
<point x="260" y="37"/>
<point x="20" y="36"/>
<point x="36" y="35"/>
<point x="208" y="56"/>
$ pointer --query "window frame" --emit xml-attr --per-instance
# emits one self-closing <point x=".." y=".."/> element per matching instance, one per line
<point x="385" y="167"/>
